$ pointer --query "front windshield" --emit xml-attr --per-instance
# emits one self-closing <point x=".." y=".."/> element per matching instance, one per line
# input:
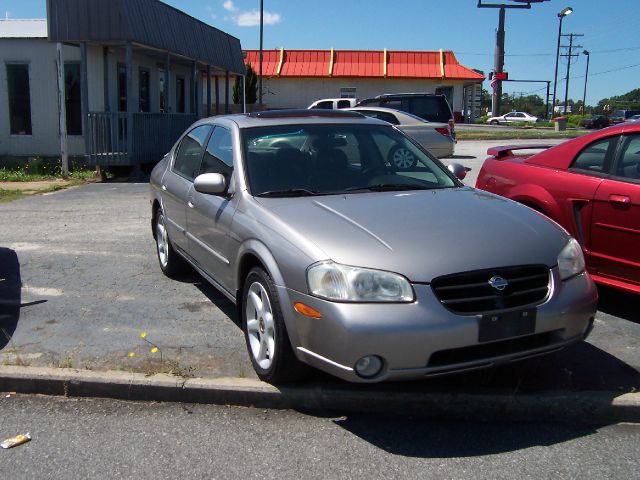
<point x="298" y="160"/>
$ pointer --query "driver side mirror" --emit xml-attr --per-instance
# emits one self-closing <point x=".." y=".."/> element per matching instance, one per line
<point x="211" y="183"/>
<point x="458" y="170"/>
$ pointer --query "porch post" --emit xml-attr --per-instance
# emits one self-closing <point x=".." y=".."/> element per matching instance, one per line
<point x="217" y="95"/>
<point x="130" y="107"/>
<point x="105" y="78"/>
<point x="84" y="94"/>
<point x="208" y="90"/>
<point x="226" y="91"/>
<point x="193" y="88"/>
<point x="62" y="112"/>
<point x="168" y="95"/>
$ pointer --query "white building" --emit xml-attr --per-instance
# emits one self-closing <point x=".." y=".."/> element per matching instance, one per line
<point x="131" y="84"/>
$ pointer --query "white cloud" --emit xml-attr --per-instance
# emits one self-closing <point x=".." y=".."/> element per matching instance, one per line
<point x="228" y="5"/>
<point x="252" y="18"/>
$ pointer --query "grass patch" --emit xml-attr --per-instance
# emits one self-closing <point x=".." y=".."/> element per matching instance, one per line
<point x="516" y="134"/>
<point x="25" y="175"/>
<point x="10" y="195"/>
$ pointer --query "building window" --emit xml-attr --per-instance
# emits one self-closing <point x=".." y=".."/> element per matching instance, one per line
<point x="19" y="99"/>
<point x="143" y="91"/>
<point x="122" y="87"/>
<point x="348" y="92"/>
<point x="180" y="94"/>
<point x="162" y="81"/>
<point x="73" y="102"/>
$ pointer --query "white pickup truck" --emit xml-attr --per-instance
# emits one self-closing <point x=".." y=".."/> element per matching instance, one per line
<point x="334" y="103"/>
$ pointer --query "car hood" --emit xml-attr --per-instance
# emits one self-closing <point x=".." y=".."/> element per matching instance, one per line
<point x="421" y="234"/>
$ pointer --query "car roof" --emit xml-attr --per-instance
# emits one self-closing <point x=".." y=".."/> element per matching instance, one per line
<point x="295" y="117"/>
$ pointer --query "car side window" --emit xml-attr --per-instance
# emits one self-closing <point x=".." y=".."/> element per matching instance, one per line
<point x="397" y="104"/>
<point x="596" y="157"/>
<point x="218" y="156"/>
<point x="187" y="159"/>
<point x="326" y="105"/>
<point x="629" y="164"/>
<point x="344" y="104"/>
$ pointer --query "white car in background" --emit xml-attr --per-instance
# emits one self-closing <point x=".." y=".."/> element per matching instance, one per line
<point x="333" y="103"/>
<point x="435" y="137"/>
<point x="513" y="117"/>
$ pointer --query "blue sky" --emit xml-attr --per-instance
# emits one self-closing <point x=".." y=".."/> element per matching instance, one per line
<point x="610" y="31"/>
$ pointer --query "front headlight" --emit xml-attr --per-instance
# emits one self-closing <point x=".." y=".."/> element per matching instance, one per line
<point x="352" y="284"/>
<point x="571" y="260"/>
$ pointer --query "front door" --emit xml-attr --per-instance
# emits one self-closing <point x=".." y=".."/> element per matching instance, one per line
<point x="616" y="217"/>
<point x="209" y="216"/>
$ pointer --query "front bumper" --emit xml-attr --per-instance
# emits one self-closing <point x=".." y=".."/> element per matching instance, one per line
<point x="423" y="338"/>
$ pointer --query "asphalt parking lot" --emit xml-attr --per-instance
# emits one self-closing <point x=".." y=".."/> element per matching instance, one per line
<point x="79" y="282"/>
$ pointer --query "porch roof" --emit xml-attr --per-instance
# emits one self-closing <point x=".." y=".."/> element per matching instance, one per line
<point x="149" y="23"/>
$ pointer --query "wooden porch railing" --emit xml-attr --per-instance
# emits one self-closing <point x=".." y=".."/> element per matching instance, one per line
<point x="153" y="135"/>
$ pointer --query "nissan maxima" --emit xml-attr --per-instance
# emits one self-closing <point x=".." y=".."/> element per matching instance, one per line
<point x="339" y="260"/>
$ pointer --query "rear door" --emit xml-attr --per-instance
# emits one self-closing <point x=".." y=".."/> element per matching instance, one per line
<point x="177" y="182"/>
<point x="615" y="229"/>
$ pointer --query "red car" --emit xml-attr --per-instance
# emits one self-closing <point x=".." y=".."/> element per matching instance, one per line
<point x="589" y="185"/>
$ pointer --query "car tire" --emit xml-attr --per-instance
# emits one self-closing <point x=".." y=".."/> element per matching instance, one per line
<point x="171" y="263"/>
<point x="265" y="332"/>
<point x="494" y="122"/>
<point x="401" y="158"/>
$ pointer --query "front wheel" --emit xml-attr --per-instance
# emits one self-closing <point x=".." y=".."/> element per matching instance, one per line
<point x="265" y="332"/>
<point x="493" y="122"/>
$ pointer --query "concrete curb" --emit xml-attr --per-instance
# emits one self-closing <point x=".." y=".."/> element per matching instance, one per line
<point x="577" y="407"/>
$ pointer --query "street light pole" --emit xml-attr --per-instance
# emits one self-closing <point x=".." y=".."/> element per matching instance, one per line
<point x="586" y="77"/>
<point x="565" y="11"/>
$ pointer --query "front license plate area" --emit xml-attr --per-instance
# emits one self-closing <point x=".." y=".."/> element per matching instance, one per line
<point x="498" y="326"/>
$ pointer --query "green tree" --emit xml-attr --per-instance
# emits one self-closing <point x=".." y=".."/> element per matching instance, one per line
<point x="629" y="101"/>
<point x="250" y="85"/>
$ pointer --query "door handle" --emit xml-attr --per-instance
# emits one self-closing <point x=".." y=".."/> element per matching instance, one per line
<point x="164" y="187"/>
<point x="190" y="204"/>
<point x="623" y="199"/>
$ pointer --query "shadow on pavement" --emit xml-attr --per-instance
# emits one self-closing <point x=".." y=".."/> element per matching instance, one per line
<point x="619" y="304"/>
<point x="461" y="157"/>
<point x="10" y="288"/>
<point x="428" y="439"/>
<point x="217" y="298"/>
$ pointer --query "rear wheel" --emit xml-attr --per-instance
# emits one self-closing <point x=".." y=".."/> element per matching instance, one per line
<point x="265" y="332"/>
<point x="170" y="262"/>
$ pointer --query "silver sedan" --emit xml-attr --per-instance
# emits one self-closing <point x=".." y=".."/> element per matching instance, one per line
<point x="435" y="137"/>
<point x="339" y="260"/>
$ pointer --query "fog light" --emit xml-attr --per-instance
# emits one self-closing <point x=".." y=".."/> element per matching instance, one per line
<point x="369" y="366"/>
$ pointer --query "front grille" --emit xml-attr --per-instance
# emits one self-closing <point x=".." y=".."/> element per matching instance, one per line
<point x="470" y="293"/>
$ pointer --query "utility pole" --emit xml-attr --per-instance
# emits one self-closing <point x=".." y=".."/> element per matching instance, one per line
<point x="569" y="56"/>
<point x="260" y="61"/>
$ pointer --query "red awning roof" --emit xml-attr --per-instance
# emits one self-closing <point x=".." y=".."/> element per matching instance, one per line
<point x="359" y="63"/>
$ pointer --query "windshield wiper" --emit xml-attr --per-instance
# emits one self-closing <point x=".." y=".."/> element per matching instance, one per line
<point x="388" y="187"/>
<point x="292" y="192"/>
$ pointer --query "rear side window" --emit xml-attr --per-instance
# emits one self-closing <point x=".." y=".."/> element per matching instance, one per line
<point x="434" y="109"/>
<point x="596" y="157"/>
<point x="189" y="153"/>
